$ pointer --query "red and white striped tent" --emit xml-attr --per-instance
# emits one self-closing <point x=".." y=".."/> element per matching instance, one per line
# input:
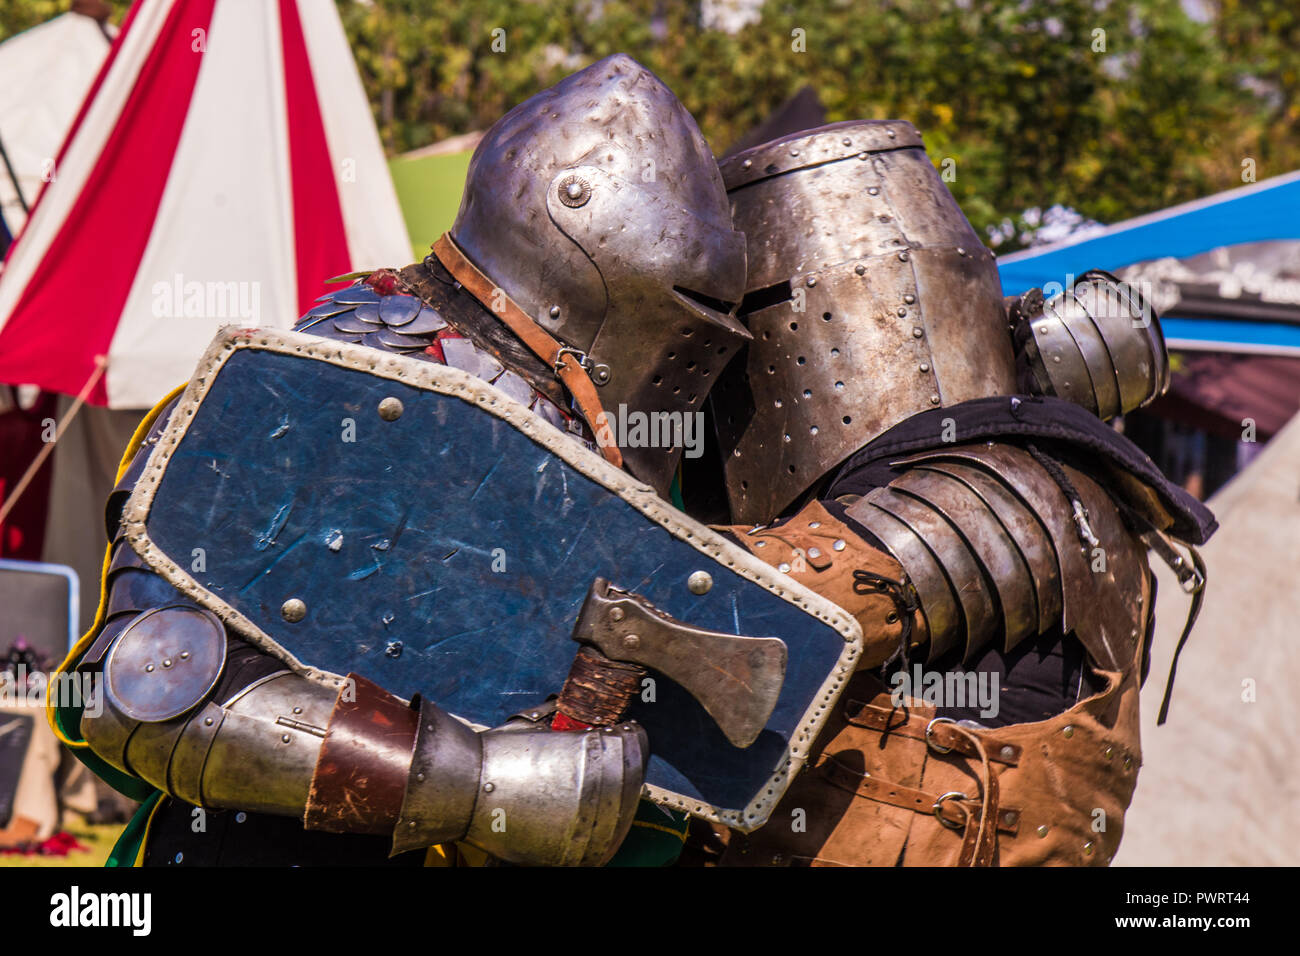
<point x="224" y="164"/>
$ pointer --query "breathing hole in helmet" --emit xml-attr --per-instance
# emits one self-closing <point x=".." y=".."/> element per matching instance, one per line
<point x="826" y="316"/>
<point x="801" y="360"/>
<point x="847" y="419"/>
<point x="765" y="297"/>
<point x="794" y="326"/>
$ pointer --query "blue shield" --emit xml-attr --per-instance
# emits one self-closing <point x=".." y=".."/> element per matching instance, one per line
<point x="446" y="550"/>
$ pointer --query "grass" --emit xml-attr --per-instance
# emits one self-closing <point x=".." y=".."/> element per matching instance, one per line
<point x="98" y="838"/>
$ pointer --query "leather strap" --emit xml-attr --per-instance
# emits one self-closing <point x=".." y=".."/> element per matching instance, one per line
<point x="566" y="361"/>
<point x="942" y="735"/>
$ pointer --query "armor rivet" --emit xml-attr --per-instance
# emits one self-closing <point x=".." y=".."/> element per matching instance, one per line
<point x="873" y="191"/>
<point x="917" y="332"/>
<point x="813" y="429"/>
<point x="862" y="155"/>
<point x="148" y="668"/>
<point x="891" y="133"/>
<point x="207" y="721"/>
<point x="1068" y="732"/>
<point x="179" y="857"/>
<point x="839" y="544"/>
<point x="909" y="298"/>
<point x="185" y="655"/>
<point x="489" y="787"/>
<point x="814" y="552"/>
<point x="783" y="568"/>
<point x="1008" y="752"/>
<point x="1108" y="753"/>
<point x="814" y="524"/>
<point x="760" y="544"/>
<point x="1087" y="848"/>
<point x="390" y="409"/>
<point x="860" y="269"/>
<point x="167" y="662"/>
<point x="1042" y="831"/>
<point x="1128" y="762"/>
<point x="1009" y="817"/>
<point x="616" y="614"/>
<point x="297" y="710"/>
<point x="555" y="311"/>
<point x="961" y="251"/>
<point x="746" y="164"/>
<point x="934" y="399"/>
<point x="285" y="737"/>
<point x="1042" y="330"/>
<point x="394" y="649"/>
<point x="902" y="312"/>
<point x="700" y="582"/>
<point x="925" y="366"/>
<point x="812" y="281"/>
<point x="794" y="152"/>
<point x="631" y="641"/>
<point x="846" y="141"/>
<point x="420" y="777"/>
<point x="902" y="256"/>
<point x="241" y="816"/>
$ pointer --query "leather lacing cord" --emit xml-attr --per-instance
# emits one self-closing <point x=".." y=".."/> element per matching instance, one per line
<point x="906" y="604"/>
<point x="1058" y="475"/>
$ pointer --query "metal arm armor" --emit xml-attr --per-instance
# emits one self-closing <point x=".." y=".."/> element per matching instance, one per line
<point x="179" y="710"/>
<point x="1003" y="545"/>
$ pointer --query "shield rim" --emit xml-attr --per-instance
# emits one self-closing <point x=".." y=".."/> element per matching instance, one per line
<point x="445" y="380"/>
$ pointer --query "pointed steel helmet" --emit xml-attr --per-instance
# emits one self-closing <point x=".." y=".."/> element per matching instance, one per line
<point x="870" y="299"/>
<point x="597" y="206"/>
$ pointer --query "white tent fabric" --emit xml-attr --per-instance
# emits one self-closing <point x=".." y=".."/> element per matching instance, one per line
<point x="1221" y="779"/>
<point x="227" y="164"/>
<point x="45" y="73"/>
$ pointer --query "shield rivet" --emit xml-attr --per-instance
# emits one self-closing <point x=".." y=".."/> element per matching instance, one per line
<point x="700" y="582"/>
<point x="293" y="610"/>
<point x="839" y="544"/>
<point x="390" y="409"/>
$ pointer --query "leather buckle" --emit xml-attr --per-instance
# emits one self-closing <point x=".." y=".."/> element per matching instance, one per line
<point x="929" y="739"/>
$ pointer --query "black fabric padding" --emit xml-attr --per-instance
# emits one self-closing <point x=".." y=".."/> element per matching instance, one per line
<point x="1063" y="430"/>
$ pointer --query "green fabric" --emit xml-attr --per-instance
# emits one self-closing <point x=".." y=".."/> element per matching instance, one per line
<point x="127" y="847"/>
<point x="656" y="838"/>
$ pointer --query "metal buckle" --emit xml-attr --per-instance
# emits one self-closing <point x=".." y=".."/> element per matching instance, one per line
<point x="580" y="355"/>
<point x="937" y="748"/>
<point x="938" y="809"/>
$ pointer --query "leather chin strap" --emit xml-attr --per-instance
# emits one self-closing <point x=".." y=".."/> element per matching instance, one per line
<point x="567" y="362"/>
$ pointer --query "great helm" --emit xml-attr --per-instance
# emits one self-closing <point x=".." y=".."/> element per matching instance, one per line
<point x="869" y="296"/>
<point x="597" y="206"/>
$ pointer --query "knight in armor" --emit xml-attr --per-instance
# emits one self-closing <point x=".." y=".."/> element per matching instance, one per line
<point x="934" y="459"/>
<point x="592" y="269"/>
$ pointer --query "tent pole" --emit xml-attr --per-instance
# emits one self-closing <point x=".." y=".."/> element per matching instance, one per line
<point x="13" y="177"/>
<point x="101" y="363"/>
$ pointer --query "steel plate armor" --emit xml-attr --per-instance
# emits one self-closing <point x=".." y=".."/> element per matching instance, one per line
<point x="868" y="293"/>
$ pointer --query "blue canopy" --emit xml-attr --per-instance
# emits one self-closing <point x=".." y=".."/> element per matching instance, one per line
<point x="1269" y="210"/>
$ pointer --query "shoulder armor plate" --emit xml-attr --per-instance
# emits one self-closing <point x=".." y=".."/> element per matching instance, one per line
<point x="990" y="542"/>
<point x="166" y="660"/>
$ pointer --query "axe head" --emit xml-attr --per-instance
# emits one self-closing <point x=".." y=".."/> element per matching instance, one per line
<point x="736" y="679"/>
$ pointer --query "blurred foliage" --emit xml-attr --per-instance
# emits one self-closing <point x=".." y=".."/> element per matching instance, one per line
<point x="1108" y="107"/>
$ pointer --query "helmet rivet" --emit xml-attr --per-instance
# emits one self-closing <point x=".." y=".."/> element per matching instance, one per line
<point x="700" y="582"/>
<point x="860" y="269"/>
<point x="575" y="191"/>
<point x="293" y="610"/>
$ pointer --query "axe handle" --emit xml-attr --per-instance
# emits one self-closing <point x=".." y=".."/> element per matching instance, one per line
<point x="596" y="692"/>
